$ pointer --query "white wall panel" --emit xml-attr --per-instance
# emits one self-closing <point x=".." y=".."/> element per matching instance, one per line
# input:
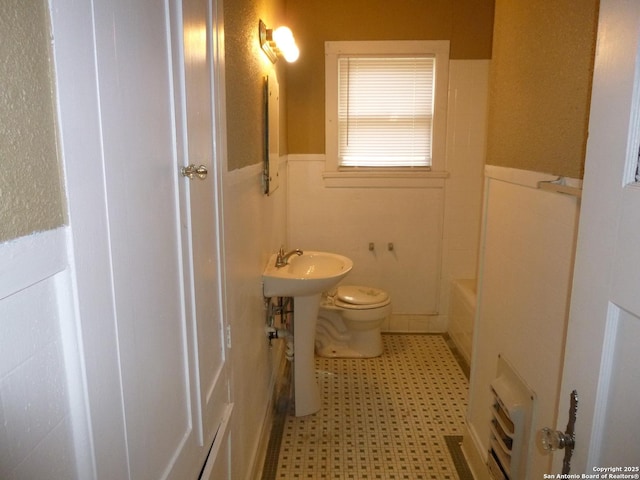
<point x="346" y="220"/>
<point x="36" y="391"/>
<point x="526" y="269"/>
<point x="255" y="227"/>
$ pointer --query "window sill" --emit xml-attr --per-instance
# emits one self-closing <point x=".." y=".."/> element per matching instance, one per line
<point x="385" y="179"/>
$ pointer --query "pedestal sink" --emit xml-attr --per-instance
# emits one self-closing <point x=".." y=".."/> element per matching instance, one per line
<point x="304" y="278"/>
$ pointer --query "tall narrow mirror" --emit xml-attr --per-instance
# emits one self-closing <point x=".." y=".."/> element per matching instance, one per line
<point x="271" y="134"/>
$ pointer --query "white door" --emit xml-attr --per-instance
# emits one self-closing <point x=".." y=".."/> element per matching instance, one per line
<point x="162" y="233"/>
<point x="195" y="37"/>
<point x="602" y="355"/>
<point x="154" y="326"/>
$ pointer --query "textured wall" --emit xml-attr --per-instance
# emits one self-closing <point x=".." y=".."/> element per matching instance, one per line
<point x="245" y="66"/>
<point x="30" y="187"/>
<point x="467" y="24"/>
<point x="541" y="84"/>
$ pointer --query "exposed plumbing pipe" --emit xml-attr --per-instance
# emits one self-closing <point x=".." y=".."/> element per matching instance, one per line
<point x="283" y="308"/>
<point x="289" y="351"/>
<point x="275" y="333"/>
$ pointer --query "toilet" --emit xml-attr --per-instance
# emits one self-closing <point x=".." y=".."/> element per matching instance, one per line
<point x="349" y="322"/>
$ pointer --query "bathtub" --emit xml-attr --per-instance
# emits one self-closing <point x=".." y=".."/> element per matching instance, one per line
<point x="462" y="312"/>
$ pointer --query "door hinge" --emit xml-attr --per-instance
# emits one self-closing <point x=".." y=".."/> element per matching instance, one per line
<point x="228" y="335"/>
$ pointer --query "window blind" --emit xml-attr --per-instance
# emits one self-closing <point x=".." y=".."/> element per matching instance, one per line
<point x="385" y="111"/>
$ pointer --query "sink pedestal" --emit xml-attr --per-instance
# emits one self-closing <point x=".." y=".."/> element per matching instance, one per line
<point x="304" y="276"/>
<point x="305" y="386"/>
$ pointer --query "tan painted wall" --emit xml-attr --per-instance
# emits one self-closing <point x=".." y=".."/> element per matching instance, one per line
<point x="31" y="194"/>
<point x="467" y="24"/>
<point x="541" y="84"/>
<point x="245" y="66"/>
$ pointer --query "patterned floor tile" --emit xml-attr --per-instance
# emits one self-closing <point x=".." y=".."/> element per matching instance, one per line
<point x="381" y="418"/>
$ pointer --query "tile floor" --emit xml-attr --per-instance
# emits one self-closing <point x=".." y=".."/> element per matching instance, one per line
<point x="398" y="416"/>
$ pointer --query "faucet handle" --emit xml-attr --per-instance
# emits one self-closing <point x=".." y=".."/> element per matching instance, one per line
<point x="280" y="257"/>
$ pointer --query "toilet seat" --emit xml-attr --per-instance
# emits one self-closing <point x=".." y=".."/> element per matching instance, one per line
<point x="355" y="297"/>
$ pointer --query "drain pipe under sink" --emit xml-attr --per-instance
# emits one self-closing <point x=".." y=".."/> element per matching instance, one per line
<point x="274" y="333"/>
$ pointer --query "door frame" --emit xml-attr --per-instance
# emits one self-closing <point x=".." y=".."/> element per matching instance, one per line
<point x="89" y="251"/>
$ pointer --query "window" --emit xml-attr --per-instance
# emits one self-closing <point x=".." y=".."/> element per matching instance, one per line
<point x="385" y="111"/>
<point x="386" y="106"/>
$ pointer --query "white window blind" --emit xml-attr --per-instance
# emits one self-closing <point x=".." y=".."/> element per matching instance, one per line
<point x="385" y="111"/>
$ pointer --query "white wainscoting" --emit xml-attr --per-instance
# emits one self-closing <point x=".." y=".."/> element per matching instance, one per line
<point x="254" y="228"/>
<point x="526" y="268"/>
<point x="43" y="431"/>
<point x="347" y="220"/>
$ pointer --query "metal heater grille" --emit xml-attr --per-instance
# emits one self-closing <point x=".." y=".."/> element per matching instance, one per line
<point x="511" y="414"/>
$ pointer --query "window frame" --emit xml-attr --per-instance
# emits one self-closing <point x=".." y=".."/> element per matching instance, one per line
<point x="337" y="49"/>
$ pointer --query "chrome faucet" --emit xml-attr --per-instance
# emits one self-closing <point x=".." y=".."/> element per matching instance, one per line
<point x="282" y="258"/>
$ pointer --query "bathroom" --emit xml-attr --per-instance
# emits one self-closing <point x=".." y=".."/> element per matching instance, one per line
<point x="431" y="242"/>
<point x="475" y="219"/>
<point x="434" y="228"/>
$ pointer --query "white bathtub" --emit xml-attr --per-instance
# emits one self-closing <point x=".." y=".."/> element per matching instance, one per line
<point x="462" y="311"/>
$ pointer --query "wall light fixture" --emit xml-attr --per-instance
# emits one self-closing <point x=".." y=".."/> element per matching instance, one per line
<point x="278" y="42"/>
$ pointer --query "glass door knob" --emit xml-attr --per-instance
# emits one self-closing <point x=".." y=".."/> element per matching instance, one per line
<point x="555" y="439"/>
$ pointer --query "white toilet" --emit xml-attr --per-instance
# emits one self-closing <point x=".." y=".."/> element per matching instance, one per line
<point x="349" y="322"/>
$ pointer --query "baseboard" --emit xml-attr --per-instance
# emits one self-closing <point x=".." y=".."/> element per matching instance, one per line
<point x="474" y="455"/>
<point x="279" y="382"/>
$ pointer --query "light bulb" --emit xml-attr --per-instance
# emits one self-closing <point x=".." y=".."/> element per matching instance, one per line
<point x="283" y="38"/>
<point x="291" y="53"/>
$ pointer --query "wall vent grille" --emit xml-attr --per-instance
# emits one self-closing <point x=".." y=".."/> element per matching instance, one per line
<point x="511" y="419"/>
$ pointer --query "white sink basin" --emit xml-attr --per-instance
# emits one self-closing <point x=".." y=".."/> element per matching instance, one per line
<point x="306" y="274"/>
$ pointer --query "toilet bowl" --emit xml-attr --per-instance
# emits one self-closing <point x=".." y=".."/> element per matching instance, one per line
<point x="349" y="322"/>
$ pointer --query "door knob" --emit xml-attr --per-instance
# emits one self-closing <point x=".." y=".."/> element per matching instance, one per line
<point x="191" y="171"/>
<point x="555" y="439"/>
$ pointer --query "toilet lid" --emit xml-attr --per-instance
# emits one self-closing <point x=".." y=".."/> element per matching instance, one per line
<point x="356" y="295"/>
